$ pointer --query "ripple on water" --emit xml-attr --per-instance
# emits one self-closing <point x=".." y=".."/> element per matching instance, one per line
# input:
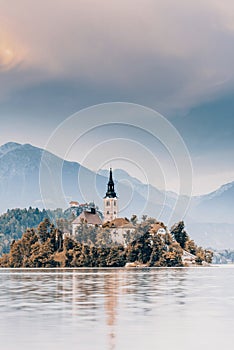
<point x="116" y="308"/>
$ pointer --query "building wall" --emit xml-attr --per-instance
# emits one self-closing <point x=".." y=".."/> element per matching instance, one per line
<point x="74" y="228"/>
<point x="110" y="209"/>
<point x="118" y="234"/>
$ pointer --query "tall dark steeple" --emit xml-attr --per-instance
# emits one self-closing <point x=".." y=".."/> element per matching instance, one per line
<point x="110" y="187"/>
<point x="110" y="201"/>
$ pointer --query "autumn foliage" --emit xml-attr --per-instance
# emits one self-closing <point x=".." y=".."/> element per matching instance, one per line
<point x="46" y="247"/>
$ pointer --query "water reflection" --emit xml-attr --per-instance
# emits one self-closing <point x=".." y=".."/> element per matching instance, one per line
<point x="100" y="306"/>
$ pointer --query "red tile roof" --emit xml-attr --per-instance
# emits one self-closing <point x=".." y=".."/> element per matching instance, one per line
<point x="119" y="222"/>
<point x="89" y="218"/>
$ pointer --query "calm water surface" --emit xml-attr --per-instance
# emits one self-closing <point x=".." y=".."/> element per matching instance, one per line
<point x="117" y="309"/>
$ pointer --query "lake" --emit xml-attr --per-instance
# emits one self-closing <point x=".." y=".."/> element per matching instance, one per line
<point x="158" y="308"/>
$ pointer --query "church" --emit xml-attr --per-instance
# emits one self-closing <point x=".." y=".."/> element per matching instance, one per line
<point x="119" y="227"/>
<point x="110" y="201"/>
<point x="91" y="216"/>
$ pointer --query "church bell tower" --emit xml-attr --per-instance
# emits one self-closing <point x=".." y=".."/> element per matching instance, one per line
<point x="110" y="200"/>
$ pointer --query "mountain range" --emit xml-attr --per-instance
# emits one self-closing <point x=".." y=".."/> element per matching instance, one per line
<point x="30" y="176"/>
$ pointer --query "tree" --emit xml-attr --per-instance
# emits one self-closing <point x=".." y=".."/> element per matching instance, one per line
<point x="102" y="255"/>
<point x="44" y="230"/>
<point x="191" y="247"/>
<point x="45" y="247"/>
<point x="28" y="239"/>
<point x="85" y="233"/>
<point x="208" y="256"/>
<point x="42" y="255"/>
<point x="103" y="238"/>
<point x="180" y="234"/>
<point x="116" y="257"/>
<point x="15" y="256"/>
<point x="144" y="226"/>
<point x="133" y="219"/>
<point x="140" y="250"/>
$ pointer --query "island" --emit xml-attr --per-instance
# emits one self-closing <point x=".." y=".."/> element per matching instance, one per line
<point x="83" y="236"/>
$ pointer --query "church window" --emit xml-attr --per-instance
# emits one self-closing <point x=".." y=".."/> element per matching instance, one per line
<point x="115" y="204"/>
<point x="108" y="212"/>
<point x="108" y="204"/>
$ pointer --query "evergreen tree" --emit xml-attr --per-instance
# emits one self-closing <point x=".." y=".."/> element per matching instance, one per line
<point x="44" y="229"/>
<point x="180" y="234"/>
<point x="116" y="257"/>
<point x="191" y="247"/>
<point x="15" y="256"/>
<point x="133" y="219"/>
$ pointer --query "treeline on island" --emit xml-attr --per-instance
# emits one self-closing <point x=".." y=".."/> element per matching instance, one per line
<point x="15" y="222"/>
<point x="46" y="246"/>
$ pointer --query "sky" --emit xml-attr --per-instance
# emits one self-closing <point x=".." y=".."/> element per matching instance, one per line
<point x="58" y="57"/>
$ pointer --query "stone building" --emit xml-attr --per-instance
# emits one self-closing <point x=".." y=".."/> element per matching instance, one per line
<point x="120" y="229"/>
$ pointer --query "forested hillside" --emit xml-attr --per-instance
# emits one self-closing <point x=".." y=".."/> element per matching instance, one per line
<point x="15" y="222"/>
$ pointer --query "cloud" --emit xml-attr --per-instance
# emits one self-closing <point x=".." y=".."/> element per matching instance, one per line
<point x="174" y="54"/>
<point x="10" y="52"/>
